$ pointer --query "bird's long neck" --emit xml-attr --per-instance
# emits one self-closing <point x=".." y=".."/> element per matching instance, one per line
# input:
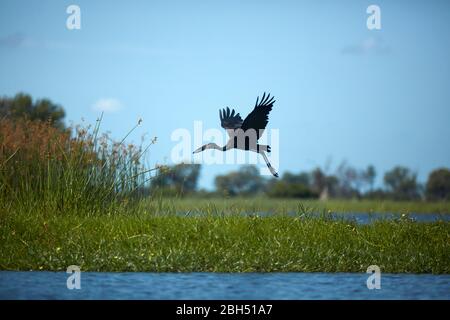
<point x="210" y="146"/>
<point x="214" y="146"/>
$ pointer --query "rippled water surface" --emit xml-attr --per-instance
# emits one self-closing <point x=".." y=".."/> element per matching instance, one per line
<point x="135" y="285"/>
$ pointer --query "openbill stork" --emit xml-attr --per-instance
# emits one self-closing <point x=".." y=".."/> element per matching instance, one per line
<point x="244" y="134"/>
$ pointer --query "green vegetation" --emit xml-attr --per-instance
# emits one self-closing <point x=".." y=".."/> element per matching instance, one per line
<point x="138" y="240"/>
<point x="400" y="184"/>
<point x="438" y="185"/>
<point x="22" y="106"/>
<point x="44" y="167"/>
<point x="236" y="205"/>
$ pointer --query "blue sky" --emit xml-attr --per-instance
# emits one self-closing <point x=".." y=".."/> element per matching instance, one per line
<point x="343" y="92"/>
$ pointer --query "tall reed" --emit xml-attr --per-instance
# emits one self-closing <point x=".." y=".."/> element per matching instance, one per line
<point x="73" y="169"/>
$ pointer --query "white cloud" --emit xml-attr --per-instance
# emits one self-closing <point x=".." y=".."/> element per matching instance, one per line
<point x="107" y="105"/>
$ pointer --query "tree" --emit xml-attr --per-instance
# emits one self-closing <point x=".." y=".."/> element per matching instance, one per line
<point x="282" y="189"/>
<point x="402" y="183"/>
<point x="438" y="185"/>
<point x="369" y="176"/>
<point x="322" y="184"/>
<point x="350" y="181"/>
<point x="318" y="183"/>
<point x="22" y="106"/>
<point x="301" y="178"/>
<point x="245" y="181"/>
<point x="177" y="180"/>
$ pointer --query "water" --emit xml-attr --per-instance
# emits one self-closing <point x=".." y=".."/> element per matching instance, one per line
<point x="135" y="285"/>
<point x="358" y="217"/>
<point x="367" y="218"/>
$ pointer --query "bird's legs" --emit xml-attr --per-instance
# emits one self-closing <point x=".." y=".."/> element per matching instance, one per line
<point x="272" y="170"/>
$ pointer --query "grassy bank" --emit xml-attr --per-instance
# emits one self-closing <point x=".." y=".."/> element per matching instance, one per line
<point x="126" y="241"/>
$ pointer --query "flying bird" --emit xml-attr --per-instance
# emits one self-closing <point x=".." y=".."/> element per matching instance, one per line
<point x="244" y="134"/>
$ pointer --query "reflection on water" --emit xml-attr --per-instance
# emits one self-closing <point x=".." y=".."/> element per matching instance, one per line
<point x="135" y="285"/>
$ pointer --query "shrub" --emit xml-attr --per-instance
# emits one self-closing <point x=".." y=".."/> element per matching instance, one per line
<point x="438" y="185"/>
<point x="290" y="190"/>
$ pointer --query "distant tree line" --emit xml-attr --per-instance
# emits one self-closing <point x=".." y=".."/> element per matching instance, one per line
<point x="176" y="180"/>
<point x="22" y="106"/>
<point x="400" y="183"/>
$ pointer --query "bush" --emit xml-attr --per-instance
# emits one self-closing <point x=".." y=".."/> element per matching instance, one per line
<point x="176" y="180"/>
<point x="438" y="185"/>
<point x="291" y="190"/>
<point x="246" y="182"/>
<point x="402" y="184"/>
<point x="22" y="106"/>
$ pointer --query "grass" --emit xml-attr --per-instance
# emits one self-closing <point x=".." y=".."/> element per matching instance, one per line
<point x="41" y="166"/>
<point x="283" y="206"/>
<point x="141" y="241"/>
<point x="66" y="198"/>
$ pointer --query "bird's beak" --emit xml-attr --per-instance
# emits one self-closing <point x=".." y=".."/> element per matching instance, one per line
<point x="197" y="150"/>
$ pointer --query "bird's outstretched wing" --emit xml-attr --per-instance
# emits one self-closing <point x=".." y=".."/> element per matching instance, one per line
<point x="230" y="120"/>
<point x="259" y="117"/>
